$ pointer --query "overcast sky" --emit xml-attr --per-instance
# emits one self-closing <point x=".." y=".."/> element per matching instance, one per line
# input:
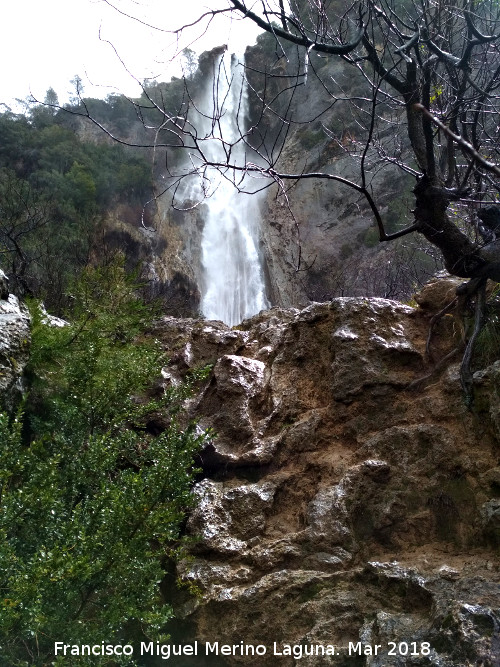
<point x="45" y="43"/>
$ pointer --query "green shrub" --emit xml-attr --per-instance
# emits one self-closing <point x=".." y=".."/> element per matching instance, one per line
<point x="310" y="138"/>
<point x="371" y="237"/>
<point x="91" y="502"/>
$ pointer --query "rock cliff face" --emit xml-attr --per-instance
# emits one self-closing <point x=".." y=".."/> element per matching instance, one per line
<point x="321" y="240"/>
<point x="14" y="346"/>
<point x="337" y="506"/>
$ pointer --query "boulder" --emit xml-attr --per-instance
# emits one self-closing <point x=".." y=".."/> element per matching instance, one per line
<point x="4" y="286"/>
<point x="14" y="349"/>
<point x="339" y="508"/>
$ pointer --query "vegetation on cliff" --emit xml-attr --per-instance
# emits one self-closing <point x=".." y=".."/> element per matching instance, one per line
<point x="55" y="189"/>
<point x="93" y="497"/>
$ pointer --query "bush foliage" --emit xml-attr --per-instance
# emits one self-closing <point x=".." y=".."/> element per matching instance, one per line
<point x="91" y="502"/>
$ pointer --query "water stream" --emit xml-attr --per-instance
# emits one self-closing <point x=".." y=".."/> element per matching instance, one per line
<point x="233" y="279"/>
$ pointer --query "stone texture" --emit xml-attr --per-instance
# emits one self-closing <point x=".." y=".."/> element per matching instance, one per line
<point x="4" y="286"/>
<point x="14" y="349"/>
<point x="337" y="506"/>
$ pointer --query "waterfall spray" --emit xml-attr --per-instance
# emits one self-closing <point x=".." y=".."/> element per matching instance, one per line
<point x="233" y="280"/>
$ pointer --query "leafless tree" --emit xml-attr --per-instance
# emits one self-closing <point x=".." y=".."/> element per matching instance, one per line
<point x="428" y="71"/>
<point x="21" y="214"/>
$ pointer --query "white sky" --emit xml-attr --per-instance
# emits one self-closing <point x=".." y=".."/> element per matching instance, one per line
<point x="45" y="43"/>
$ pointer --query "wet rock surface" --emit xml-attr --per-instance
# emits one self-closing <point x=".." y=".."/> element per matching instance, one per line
<point x="337" y="506"/>
<point x="14" y="346"/>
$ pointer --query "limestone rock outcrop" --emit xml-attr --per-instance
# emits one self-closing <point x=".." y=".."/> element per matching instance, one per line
<point x="338" y="506"/>
<point x="14" y="345"/>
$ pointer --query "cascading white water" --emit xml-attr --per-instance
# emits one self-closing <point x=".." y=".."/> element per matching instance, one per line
<point x="233" y="279"/>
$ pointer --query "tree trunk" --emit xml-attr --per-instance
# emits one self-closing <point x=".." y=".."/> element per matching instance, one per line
<point x="461" y="257"/>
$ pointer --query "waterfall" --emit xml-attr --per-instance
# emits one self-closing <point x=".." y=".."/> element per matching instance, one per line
<point x="233" y="285"/>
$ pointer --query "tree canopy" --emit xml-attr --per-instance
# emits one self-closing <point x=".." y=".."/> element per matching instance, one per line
<point x="55" y="188"/>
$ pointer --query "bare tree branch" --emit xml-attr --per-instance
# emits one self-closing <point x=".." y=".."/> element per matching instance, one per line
<point x="468" y="148"/>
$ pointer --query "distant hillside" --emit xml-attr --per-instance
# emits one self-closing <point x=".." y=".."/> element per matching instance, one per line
<point x="57" y="185"/>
